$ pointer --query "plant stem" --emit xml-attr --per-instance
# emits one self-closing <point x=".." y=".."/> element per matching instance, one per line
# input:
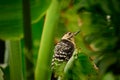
<point x="28" y="42"/>
<point x="42" y="71"/>
<point x="15" y="60"/>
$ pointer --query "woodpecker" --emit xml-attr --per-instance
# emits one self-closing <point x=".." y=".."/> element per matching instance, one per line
<point x="62" y="53"/>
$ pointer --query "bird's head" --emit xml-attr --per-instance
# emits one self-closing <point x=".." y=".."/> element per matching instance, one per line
<point x="70" y="36"/>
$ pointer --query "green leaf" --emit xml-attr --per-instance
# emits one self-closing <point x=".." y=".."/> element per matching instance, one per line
<point x="80" y="67"/>
<point x="38" y="9"/>
<point x="108" y="76"/>
<point x="11" y="17"/>
<point x="1" y="75"/>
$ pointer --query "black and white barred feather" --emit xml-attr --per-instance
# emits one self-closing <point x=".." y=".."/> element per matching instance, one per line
<point x="62" y="53"/>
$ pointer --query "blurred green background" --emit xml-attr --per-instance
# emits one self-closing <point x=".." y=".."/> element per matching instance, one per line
<point x="30" y="29"/>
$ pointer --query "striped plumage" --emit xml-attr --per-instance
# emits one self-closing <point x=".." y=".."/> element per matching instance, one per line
<point x="62" y="53"/>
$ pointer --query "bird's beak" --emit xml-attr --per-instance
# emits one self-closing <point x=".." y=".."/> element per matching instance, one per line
<point x="75" y="33"/>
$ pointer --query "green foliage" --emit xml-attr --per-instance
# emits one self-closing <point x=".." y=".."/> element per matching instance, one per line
<point x="97" y="20"/>
<point x="101" y="32"/>
<point x="1" y="74"/>
<point x="15" y="58"/>
<point x="11" y="28"/>
<point x="11" y="17"/>
<point x="80" y="67"/>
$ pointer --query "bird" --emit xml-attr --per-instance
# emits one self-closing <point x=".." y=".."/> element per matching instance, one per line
<point x="62" y="53"/>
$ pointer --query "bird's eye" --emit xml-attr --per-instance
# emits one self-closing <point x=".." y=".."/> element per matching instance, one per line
<point x="69" y="33"/>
